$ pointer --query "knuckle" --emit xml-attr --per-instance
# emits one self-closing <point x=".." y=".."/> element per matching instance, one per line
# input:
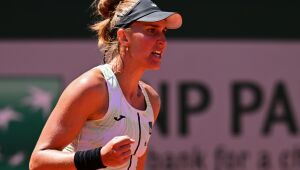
<point x="115" y="142"/>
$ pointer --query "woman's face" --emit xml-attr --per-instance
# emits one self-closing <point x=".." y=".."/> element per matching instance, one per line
<point x="147" y="42"/>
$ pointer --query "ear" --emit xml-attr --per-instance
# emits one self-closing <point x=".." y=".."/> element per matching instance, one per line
<point x="122" y="37"/>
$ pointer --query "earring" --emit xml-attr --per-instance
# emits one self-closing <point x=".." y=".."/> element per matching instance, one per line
<point x="126" y="49"/>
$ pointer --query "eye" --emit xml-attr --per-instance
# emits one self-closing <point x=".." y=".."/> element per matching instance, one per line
<point x="151" y="30"/>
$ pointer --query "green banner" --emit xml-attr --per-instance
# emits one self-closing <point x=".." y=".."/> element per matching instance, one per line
<point x="25" y="104"/>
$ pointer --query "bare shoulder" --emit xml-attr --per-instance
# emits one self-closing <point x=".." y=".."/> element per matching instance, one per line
<point x="91" y="87"/>
<point x="85" y="98"/>
<point x="154" y="98"/>
<point x="92" y="80"/>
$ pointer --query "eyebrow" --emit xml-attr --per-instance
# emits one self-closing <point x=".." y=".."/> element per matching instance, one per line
<point x="152" y="25"/>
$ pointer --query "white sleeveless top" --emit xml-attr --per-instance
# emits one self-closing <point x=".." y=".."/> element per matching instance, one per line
<point x="120" y="119"/>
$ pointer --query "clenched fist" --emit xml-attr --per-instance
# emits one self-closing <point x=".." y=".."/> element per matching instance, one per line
<point x="117" y="151"/>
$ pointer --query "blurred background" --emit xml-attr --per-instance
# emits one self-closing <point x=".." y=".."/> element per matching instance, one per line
<point x="229" y="82"/>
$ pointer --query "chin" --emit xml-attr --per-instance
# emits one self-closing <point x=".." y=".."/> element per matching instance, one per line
<point x="154" y="67"/>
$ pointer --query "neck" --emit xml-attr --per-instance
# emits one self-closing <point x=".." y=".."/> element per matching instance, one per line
<point x="128" y="77"/>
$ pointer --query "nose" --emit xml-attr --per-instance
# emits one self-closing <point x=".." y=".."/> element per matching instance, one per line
<point x="162" y="41"/>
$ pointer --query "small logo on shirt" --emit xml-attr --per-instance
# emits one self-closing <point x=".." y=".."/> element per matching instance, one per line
<point x="150" y="128"/>
<point x="119" y="118"/>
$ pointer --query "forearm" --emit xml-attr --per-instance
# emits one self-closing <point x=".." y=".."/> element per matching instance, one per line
<point x="52" y="159"/>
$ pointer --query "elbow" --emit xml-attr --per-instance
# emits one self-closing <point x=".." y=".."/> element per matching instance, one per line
<point x="33" y="163"/>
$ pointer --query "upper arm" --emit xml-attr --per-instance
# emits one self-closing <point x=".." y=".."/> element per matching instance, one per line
<point x="84" y="97"/>
<point x="142" y="161"/>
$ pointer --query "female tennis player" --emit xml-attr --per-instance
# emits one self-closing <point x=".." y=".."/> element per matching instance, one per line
<point x="104" y="118"/>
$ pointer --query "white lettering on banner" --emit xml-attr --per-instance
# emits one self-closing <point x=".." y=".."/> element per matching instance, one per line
<point x="224" y="158"/>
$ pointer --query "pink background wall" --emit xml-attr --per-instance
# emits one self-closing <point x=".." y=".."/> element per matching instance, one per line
<point x="218" y="65"/>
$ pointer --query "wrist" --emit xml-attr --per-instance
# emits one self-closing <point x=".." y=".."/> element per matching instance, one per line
<point x="89" y="159"/>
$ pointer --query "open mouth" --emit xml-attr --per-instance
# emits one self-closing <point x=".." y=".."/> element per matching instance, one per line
<point x="157" y="54"/>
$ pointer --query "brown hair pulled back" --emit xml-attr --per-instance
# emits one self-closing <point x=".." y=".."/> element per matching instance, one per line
<point x="111" y="11"/>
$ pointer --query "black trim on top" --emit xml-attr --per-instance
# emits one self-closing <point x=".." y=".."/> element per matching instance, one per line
<point x="129" y="162"/>
<point x="138" y="145"/>
<point x="139" y="133"/>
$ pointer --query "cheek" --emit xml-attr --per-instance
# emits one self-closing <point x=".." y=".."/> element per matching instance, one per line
<point x="142" y="44"/>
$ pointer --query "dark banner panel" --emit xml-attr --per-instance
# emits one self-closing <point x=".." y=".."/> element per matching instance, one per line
<point x="202" y="19"/>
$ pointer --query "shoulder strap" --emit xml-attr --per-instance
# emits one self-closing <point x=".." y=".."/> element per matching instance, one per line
<point x="113" y="88"/>
<point x="149" y="106"/>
